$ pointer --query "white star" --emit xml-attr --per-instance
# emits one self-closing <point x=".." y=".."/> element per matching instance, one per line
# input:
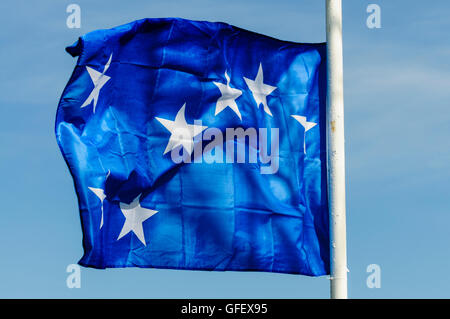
<point x="181" y="132"/>
<point x="307" y="125"/>
<point x="100" y="193"/>
<point x="260" y="90"/>
<point x="99" y="80"/>
<point x="135" y="215"/>
<point x="228" y="98"/>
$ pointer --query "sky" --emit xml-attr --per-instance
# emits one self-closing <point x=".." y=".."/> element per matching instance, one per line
<point x="397" y="126"/>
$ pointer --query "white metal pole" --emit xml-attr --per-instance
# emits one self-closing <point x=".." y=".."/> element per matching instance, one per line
<point x="336" y="150"/>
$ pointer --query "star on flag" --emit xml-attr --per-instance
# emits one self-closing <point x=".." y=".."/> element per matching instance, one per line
<point x="99" y="80"/>
<point x="307" y="126"/>
<point x="260" y="90"/>
<point x="135" y="215"/>
<point x="181" y="133"/>
<point x="100" y="193"/>
<point x="228" y="97"/>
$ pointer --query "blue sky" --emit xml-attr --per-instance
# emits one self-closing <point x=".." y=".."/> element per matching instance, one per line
<point x="397" y="121"/>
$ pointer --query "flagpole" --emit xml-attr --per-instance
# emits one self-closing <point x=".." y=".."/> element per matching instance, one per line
<point x="336" y="150"/>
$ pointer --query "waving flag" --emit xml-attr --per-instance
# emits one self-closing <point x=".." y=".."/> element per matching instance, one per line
<point x="198" y="145"/>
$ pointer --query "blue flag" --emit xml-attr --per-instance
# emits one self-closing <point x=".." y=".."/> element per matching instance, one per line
<point x="198" y="145"/>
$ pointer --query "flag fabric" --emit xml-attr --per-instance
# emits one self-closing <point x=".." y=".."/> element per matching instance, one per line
<point x="198" y="145"/>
